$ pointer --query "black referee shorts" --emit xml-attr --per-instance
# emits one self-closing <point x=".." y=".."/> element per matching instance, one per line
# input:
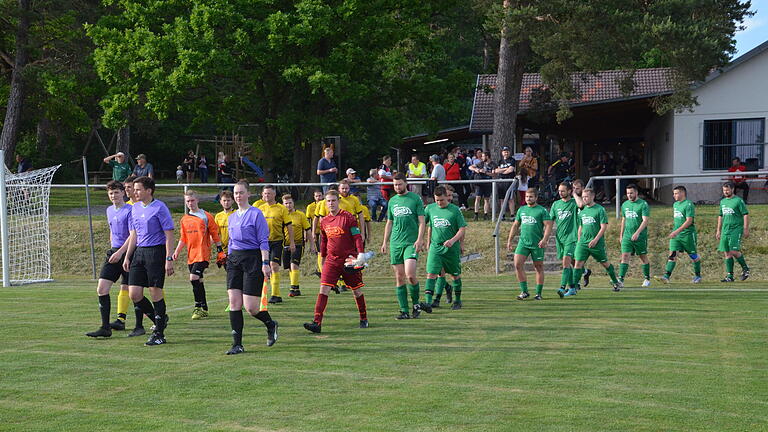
<point x="244" y="272"/>
<point x="276" y="251"/>
<point x="114" y="271"/>
<point x="148" y="267"/>
<point x="198" y="268"/>
<point x="292" y="258"/>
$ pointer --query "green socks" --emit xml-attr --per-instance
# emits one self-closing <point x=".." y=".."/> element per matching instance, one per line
<point x="524" y="286"/>
<point x="577" y="274"/>
<point x="402" y="298"/>
<point x="565" y="279"/>
<point x="612" y="273"/>
<point x="696" y="268"/>
<point x="440" y="287"/>
<point x="671" y="267"/>
<point x="429" y="289"/>
<point x="539" y="289"/>
<point x="457" y="290"/>
<point x="729" y="266"/>
<point x="414" y="290"/>
<point x="742" y="262"/>
<point x="623" y="269"/>
<point x="646" y="271"/>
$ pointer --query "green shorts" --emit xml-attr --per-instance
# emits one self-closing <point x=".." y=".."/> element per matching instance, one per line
<point x="683" y="243"/>
<point x="582" y="253"/>
<point x="441" y="258"/>
<point x="536" y="253"/>
<point x="399" y="253"/>
<point x="730" y="242"/>
<point x="639" y="247"/>
<point x="565" y="249"/>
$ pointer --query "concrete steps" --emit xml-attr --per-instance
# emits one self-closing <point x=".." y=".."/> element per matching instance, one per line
<point x="551" y="263"/>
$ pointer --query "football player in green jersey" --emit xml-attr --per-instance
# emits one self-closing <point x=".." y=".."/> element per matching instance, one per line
<point x="593" y="223"/>
<point x="563" y="212"/>
<point x="445" y="231"/>
<point x="732" y="226"/>
<point x="683" y="237"/>
<point x="633" y="235"/>
<point x="535" y="226"/>
<point x="578" y="188"/>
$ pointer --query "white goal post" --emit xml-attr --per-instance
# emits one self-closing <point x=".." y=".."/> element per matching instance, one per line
<point x="24" y="225"/>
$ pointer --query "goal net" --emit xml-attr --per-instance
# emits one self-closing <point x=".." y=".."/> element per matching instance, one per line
<point x="27" y="242"/>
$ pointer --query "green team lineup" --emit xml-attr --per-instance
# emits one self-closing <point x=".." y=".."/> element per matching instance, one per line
<point x="253" y="241"/>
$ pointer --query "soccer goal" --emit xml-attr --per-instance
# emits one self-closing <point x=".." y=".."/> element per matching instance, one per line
<point x="24" y="230"/>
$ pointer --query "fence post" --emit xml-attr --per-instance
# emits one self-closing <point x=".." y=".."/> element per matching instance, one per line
<point x="493" y="200"/>
<point x="4" y="225"/>
<point x="186" y="188"/>
<point x="618" y="198"/>
<point x="90" y="218"/>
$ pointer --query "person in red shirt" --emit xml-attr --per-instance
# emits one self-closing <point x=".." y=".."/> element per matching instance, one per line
<point x="739" y="182"/>
<point x="340" y="242"/>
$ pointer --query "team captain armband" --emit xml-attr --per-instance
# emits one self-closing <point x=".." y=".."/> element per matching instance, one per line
<point x="355" y="230"/>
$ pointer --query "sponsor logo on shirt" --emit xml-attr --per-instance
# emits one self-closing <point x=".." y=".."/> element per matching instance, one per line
<point x="334" y="231"/>
<point x="528" y="220"/>
<point x="630" y="214"/>
<point x="588" y="220"/>
<point x="564" y="214"/>
<point x="398" y="211"/>
<point x="727" y="210"/>
<point x="439" y="222"/>
<point x="678" y="214"/>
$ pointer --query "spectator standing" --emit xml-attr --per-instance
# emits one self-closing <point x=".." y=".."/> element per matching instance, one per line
<point x="23" y="164"/>
<point x="609" y="169"/>
<point x="482" y="171"/>
<point x="385" y="175"/>
<point x="416" y="170"/>
<point x="595" y="167"/>
<point x="352" y="179"/>
<point x="326" y="168"/>
<point x="143" y="168"/>
<point x="179" y="174"/>
<point x="506" y="170"/>
<point x="531" y="165"/>
<point x="224" y="170"/>
<point x="438" y="171"/>
<point x="219" y="159"/>
<point x="739" y="182"/>
<point x="375" y="198"/>
<point x="559" y="170"/>
<point x="202" y="168"/>
<point x="189" y="166"/>
<point x="120" y="168"/>
<point x="522" y="184"/>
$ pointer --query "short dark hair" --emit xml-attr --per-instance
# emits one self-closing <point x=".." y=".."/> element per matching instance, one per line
<point x="146" y="182"/>
<point x="226" y="193"/>
<point x="567" y="185"/>
<point x="533" y="190"/>
<point x="729" y="185"/>
<point x="579" y="182"/>
<point x="129" y="179"/>
<point x="269" y="186"/>
<point x="399" y="176"/>
<point x="333" y="187"/>
<point x="736" y="158"/>
<point x="440" y="190"/>
<point x="115" y="185"/>
<point x="681" y="188"/>
<point x="316" y="190"/>
<point x="244" y="184"/>
<point x="632" y="186"/>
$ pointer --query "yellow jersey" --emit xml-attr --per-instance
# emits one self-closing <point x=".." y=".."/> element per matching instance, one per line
<point x="311" y="215"/>
<point x="300" y="223"/>
<point x="222" y="220"/>
<point x="277" y="218"/>
<point x="349" y="203"/>
<point x="259" y="202"/>
<point x="366" y="214"/>
<point x="130" y="202"/>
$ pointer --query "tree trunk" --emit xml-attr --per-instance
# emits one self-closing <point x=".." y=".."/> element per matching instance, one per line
<point x="124" y="141"/>
<point x="43" y="129"/>
<point x="16" y="95"/>
<point x="509" y="80"/>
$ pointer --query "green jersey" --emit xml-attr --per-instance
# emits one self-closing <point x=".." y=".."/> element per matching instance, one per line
<point x="682" y="211"/>
<point x="120" y="171"/>
<point x="732" y="210"/>
<point x="531" y="221"/>
<point x="633" y="213"/>
<point x="404" y="211"/>
<point x="444" y="222"/>
<point x="590" y="219"/>
<point x="564" y="213"/>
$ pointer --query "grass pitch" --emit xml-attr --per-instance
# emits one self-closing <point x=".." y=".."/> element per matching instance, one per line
<point x="669" y="358"/>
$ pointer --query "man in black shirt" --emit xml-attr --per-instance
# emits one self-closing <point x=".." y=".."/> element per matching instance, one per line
<point x="506" y="170"/>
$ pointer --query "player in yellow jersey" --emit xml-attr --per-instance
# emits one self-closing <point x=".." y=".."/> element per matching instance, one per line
<point x="301" y="236"/>
<point x="367" y="218"/>
<point x="222" y="218"/>
<point x="258" y="203"/>
<point x="279" y="222"/>
<point x="123" y="299"/>
<point x="314" y="245"/>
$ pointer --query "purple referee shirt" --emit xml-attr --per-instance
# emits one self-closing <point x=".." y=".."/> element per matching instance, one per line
<point x="119" y="221"/>
<point x="150" y="223"/>
<point x="248" y="231"/>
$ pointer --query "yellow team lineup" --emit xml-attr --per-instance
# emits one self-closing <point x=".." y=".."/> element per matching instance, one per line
<point x="279" y="234"/>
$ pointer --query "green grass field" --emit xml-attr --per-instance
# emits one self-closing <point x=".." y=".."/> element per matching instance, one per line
<point x="670" y="358"/>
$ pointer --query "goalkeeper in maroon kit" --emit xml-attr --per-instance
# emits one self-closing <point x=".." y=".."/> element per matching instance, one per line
<point x="341" y="247"/>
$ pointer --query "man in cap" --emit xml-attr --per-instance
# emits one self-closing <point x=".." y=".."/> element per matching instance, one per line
<point x="143" y="168"/>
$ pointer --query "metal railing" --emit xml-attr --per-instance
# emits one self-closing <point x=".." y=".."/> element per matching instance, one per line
<point x="665" y="176"/>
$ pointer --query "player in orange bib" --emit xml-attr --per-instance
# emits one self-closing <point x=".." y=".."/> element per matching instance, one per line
<point x="198" y="230"/>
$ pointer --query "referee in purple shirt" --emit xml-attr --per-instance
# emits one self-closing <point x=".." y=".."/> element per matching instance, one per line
<point x="149" y="257"/>
<point x="247" y="265"/>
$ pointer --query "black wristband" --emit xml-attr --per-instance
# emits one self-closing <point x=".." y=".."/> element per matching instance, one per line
<point x="219" y="249"/>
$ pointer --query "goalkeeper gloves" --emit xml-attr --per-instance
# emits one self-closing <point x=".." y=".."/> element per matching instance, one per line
<point x="356" y="263"/>
<point x="221" y="259"/>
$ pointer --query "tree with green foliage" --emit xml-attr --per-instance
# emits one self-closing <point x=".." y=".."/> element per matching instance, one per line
<point x="565" y="36"/>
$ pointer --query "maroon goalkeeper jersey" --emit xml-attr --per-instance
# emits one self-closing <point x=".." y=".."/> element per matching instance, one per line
<point x="340" y="236"/>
